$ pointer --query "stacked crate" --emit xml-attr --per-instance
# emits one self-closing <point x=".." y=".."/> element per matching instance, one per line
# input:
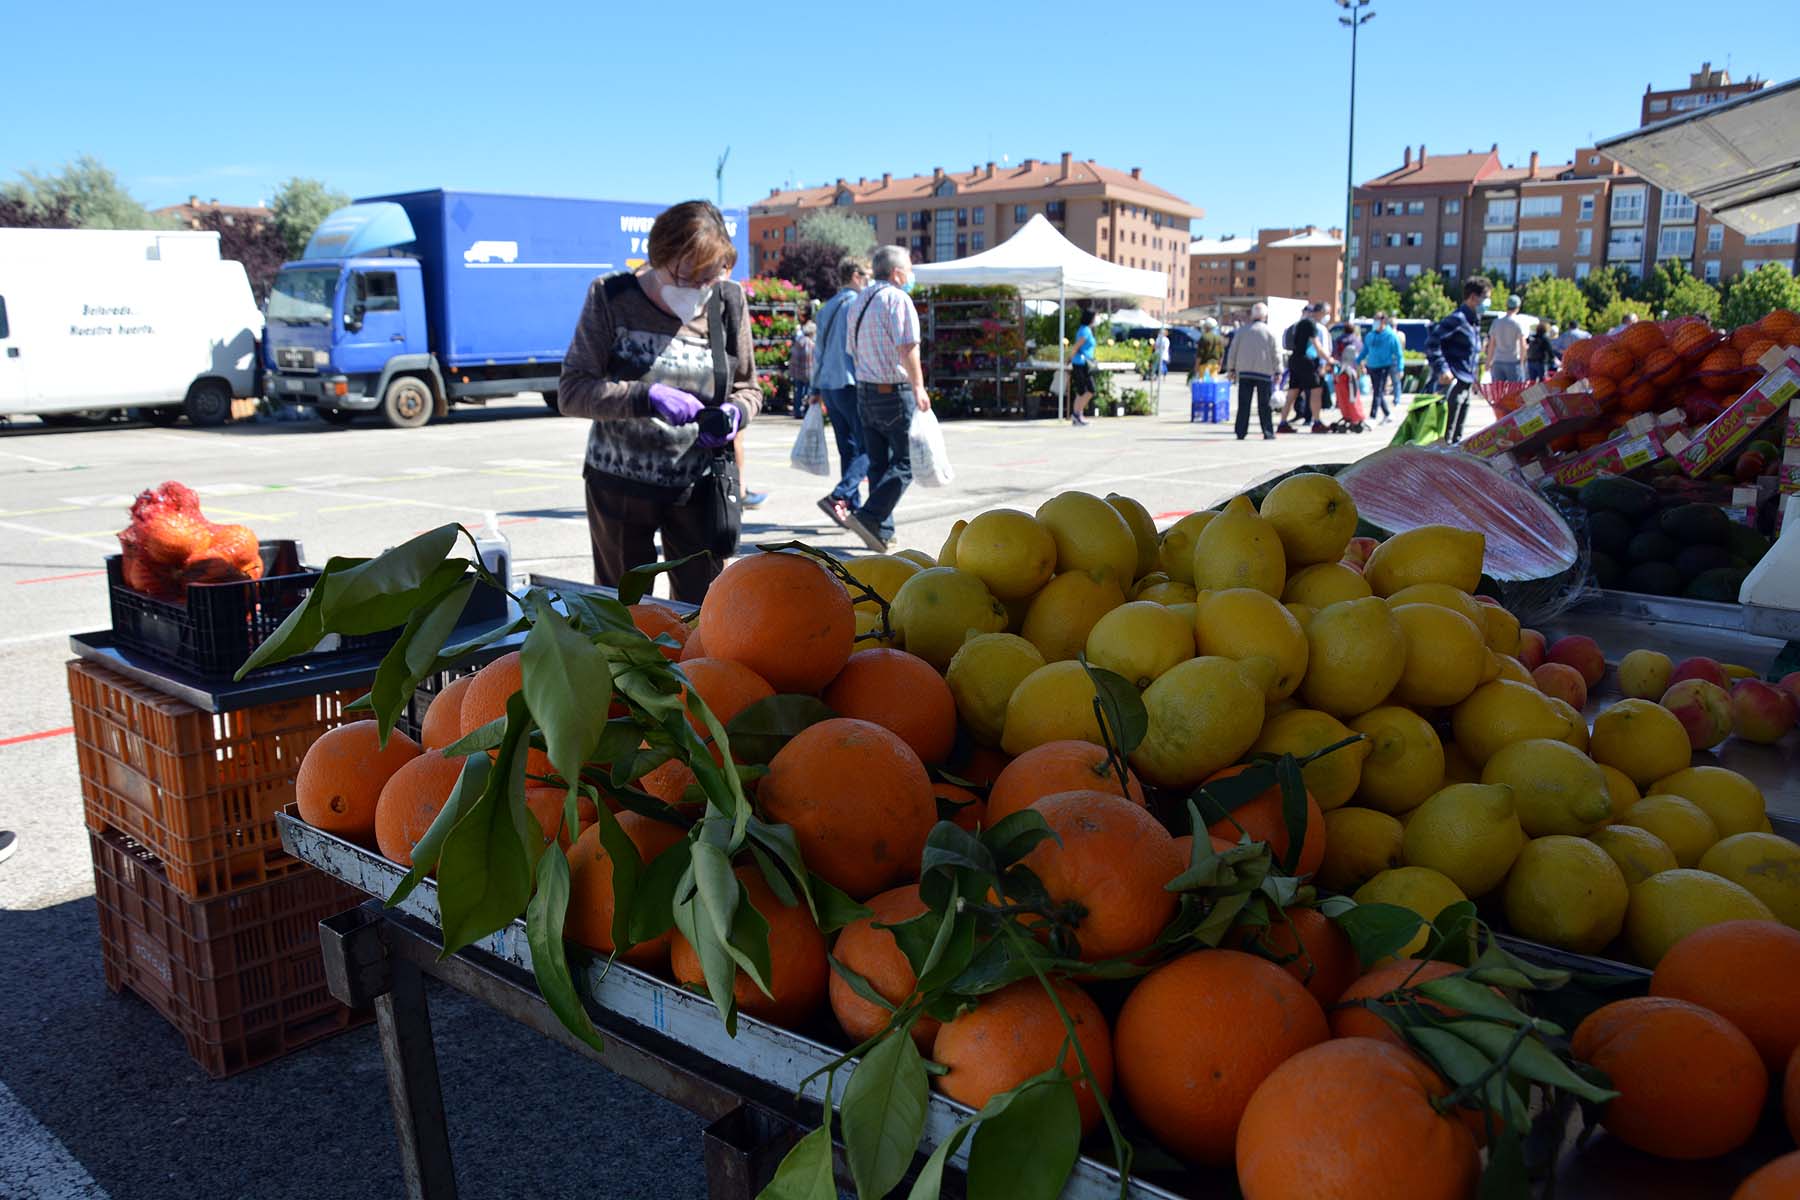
<point x="201" y="912"/>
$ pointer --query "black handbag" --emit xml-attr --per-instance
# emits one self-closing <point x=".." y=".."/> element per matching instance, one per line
<point x="716" y="492"/>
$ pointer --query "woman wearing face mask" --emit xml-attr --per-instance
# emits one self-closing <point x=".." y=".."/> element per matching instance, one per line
<point x="642" y="367"/>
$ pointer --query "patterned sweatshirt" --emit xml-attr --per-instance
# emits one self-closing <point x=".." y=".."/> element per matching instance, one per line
<point x="623" y="345"/>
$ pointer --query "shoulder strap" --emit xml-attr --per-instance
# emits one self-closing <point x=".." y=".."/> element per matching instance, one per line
<point x="867" y="300"/>
<point x="716" y="309"/>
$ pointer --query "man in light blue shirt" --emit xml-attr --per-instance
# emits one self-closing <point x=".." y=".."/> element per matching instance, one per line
<point x="834" y="384"/>
<point x="1383" y="357"/>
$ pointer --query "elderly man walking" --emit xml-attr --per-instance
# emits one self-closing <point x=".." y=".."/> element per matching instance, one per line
<point x="890" y="387"/>
<point x="1253" y="360"/>
<point x="834" y="383"/>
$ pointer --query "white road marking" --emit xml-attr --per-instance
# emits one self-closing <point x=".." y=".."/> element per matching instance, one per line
<point x="34" y="1164"/>
<point x="32" y="458"/>
<point x="96" y="538"/>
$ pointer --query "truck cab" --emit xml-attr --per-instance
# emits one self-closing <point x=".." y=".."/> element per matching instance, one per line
<point x="350" y="335"/>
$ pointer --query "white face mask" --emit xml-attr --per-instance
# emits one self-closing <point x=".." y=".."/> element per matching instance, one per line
<point x="685" y="302"/>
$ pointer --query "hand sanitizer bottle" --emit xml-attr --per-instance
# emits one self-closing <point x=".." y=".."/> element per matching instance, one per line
<point x="495" y="550"/>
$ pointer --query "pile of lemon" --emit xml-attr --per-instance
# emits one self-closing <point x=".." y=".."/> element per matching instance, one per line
<point x="1251" y="631"/>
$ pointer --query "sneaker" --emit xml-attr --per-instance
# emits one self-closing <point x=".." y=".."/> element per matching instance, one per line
<point x="9" y="841"/>
<point x="1268" y="437"/>
<point x="1320" y="427"/>
<point x="872" y="540"/>
<point x="834" y="508"/>
<point x="1284" y="427"/>
<point x="755" y="499"/>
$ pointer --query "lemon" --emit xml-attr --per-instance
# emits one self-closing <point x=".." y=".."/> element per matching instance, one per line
<point x="1445" y="656"/>
<point x="881" y="573"/>
<point x="1243" y="623"/>
<point x="1204" y="713"/>
<point x="1766" y="865"/>
<point x="1624" y="792"/>
<point x="1405" y="762"/>
<point x="1672" y="904"/>
<point x="1577" y="736"/>
<point x="1240" y="550"/>
<point x="1188" y="611"/>
<point x="1054" y="703"/>
<point x="1146" y="581"/>
<point x="1090" y="535"/>
<point x="1175" y="549"/>
<point x="936" y="609"/>
<point x="1501" y="712"/>
<point x="1140" y="641"/>
<point x="1639" y="853"/>
<point x="1556" y="788"/>
<point x="1332" y="779"/>
<point x="1428" y="554"/>
<point x="1500" y="628"/>
<point x="1167" y="592"/>
<point x="947" y="552"/>
<point x="1682" y="825"/>
<point x="1143" y="531"/>
<point x="1356" y="653"/>
<point x="1642" y="739"/>
<point x="1008" y="550"/>
<point x="1457" y="767"/>
<point x="1732" y="801"/>
<point x="1323" y="584"/>
<point x="1065" y="611"/>
<point x="1313" y="515"/>
<point x="1469" y="832"/>
<point x="870" y="623"/>
<point x="1420" y="889"/>
<point x="1360" y="844"/>
<point x="1445" y="596"/>
<point x="983" y="674"/>
<point x="1303" y="613"/>
<point x="1511" y="668"/>
<point x="918" y="558"/>
<point x="1567" y="892"/>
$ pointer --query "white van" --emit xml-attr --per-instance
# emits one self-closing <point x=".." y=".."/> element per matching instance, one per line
<point x="94" y="320"/>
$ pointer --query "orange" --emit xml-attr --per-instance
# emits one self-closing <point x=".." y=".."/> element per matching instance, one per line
<point x="654" y="620"/>
<point x="1015" y="1033"/>
<point x="443" y="716"/>
<point x="693" y="647"/>
<point x="410" y="801"/>
<point x="859" y="802"/>
<point x="1790" y="1095"/>
<point x="1780" y="1180"/>
<point x="972" y="814"/>
<point x="1575" y="358"/>
<point x="1613" y="362"/>
<point x="1746" y="971"/>
<point x="797" y="966"/>
<point x="901" y="692"/>
<point x="590" y="916"/>
<point x="1113" y="860"/>
<point x="1642" y="339"/>
<point x="873" y="954"/>
<point x="1751" y="350"/>
<point x="1687" y="336"/>
<point x="1308" y="945"/>
<point x="669" y="783"/>
<point x="982" y="766"/>
<point x="485" y="700"/>
<point x="726" y="687"/>
<point x="1198" y="1035"/>
<point x="1350" y="1019"/>
<point x="783" y="616"/>
<point x="1261" y="818"/>
<point x="1054" y="767"/>
<point x="1690" y="1084"/>
<point x="342" y="775"/>
<point x="1352" y="1119"/>
<point x="1723" y="359"/>
<point x="546" y="805"/>
<point x="1184" y="846"/>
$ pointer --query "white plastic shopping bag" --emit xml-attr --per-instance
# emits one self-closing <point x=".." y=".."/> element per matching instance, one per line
<point x="930" y="460"/>
<point x="809" y="453"/>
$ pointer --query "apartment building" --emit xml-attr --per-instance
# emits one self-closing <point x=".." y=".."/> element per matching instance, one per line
<point x="1421" y="216"/>
<point x="1115" y="214"/>
<point x="1307" y="263"/>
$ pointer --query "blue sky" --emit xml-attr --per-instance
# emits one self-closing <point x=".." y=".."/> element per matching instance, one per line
<point x="1238" y="108"/>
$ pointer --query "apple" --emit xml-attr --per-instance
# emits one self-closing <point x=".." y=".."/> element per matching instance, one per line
<point x="1532" y="646"/>
<point x="1761" y="712"/>
<point x="1704" y="710"/>
<point x="1790" y="683"/>
<point x="1645" y="674"/>
<point x="1562" y="682"/>
<point x="1358" y="551"/>
<point x="1581" y="652"/>
<point x="1701" y="668"/>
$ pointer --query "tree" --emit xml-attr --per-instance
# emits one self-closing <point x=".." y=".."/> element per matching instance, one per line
<point x="851" y="234"/>
<point x="1759" y="293"/>
<point x="1602" y="287"/>
<point x="1556" y="300"/>
<point x="16" y="213"/>
<point x="1613" y="315"/>
<point x="298" y="208"/>
<point x="1425" y="297"/>
<point x="1673" y="291"/>
<point x="1502" y="285"/>
<point x="812" y="265"/>
<point x="85" y="193"/>
<point x="255" y="243"/>
<point x="1377" y="295"/>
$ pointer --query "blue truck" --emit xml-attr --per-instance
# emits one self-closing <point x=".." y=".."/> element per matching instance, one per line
<point x="405" y="304"/>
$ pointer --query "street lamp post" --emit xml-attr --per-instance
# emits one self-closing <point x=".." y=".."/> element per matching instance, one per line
<point x="1355" y="19"/>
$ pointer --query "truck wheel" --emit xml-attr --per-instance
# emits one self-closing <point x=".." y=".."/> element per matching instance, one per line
<point x="163" y="415"/>
<point x="208" y="403"/>
<point x="550" y="402"/>
<point x="336" y="416"/>
<point x="407" y="404"/>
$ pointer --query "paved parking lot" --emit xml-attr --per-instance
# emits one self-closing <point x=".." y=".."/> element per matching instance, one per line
<point x="97" y="1096"/>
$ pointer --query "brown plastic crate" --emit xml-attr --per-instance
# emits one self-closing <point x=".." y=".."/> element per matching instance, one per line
<point x="240" y="976"/>
<point x="199" y="790"/>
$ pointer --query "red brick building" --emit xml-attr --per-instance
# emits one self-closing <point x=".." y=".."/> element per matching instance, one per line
<point x="1305" y="263"/>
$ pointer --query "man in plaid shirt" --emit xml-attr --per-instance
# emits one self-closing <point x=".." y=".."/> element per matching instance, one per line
<point x="890" y="387"/>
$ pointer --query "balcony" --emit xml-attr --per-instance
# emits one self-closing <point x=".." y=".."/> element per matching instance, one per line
<point x="1625" y="250"/>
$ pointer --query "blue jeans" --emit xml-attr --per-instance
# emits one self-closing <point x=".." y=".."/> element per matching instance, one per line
<point x="887" y="433"/>
<point x="1535" y="371"/>
<point x="1378" y="384"/>
<point x="1507" y="372"/>
<point x="846" y="426"/>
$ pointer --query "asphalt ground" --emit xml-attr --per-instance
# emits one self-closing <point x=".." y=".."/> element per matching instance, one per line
<point x="97" y="1094"/>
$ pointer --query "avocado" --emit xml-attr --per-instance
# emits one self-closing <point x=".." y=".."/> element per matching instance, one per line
<point x="1608" y="531"/>
<point x="1607" y="571"/>
<point x="1657" y="578"/>
<point x="1615" y="493"/>
<point x="1697" y="525"/>
<point x="1652" y="546"/>
<point x="1745" y="543"/>
<point x="1720" y="584"/>
<point x="1693" y="561"/>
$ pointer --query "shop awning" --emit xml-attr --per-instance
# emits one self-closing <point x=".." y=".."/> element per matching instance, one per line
<point x="1739" y="160"/>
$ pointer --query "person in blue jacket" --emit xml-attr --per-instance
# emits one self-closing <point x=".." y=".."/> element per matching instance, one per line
<point x="1453" y="354"/>
<point x="1381" y="357"/>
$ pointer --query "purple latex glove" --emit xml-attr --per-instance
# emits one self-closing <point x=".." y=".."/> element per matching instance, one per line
<point x="673" y="405"/>
<point x="717" y="431"/>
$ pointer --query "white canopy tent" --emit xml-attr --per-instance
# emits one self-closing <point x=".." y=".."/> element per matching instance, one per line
<point x="1042" y="264"/>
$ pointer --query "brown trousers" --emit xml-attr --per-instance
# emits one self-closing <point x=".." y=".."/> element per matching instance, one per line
<point x="623" y="530"/>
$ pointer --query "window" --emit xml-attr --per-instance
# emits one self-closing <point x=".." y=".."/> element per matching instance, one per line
<point x="1356" y="212"/>
<point x="1450" y="237"/>
<point x="1633" y="269"/>
<point x="978" y="241"/>
<point x="1018" y="214"/>
<point x="843" y="199"/>
<point x="1250" y="282"/>
<point x="1657" y="106"/>
<point x="1447" y="270"/>
<point x="946" y="188"/>
<point x="945" y="240"/>
<point x="787" y="235"/>
<point x="1628" y="206"/>
<point x="1415" y="207"/>
<point x="1533" y="270"/>
<point x="1415" y="239"/>
<point x="872" y="223"/>
<point x="1501" y="212"/>
<point x="899" y="220"/>
<point x="1751" y="264"/>
<point x="981" y="216"/>
<point x="1675" y="243"/>
<point x="1252" y="264"/>
<point x="1393" y="271"/>
<point x="962" y="216"/>
<point x="1677" y="207"/>
<point x="1239" y="264"/>
<point x="1711" y="269"/>
<point x="1587" y="209"/>
<point x="1593" y="160"/>
<point x="1374" y="268"/>
<point x="1715" y="238"/>
<point x="1054" y="210"/>
<point x="1584" y="242"/>
<point x="962" y="245"/>
<point x="1772" y="237"/>
<point x="1582" y="269"/>
<point x="1497" y="245"/>
<point x="1375" y="209"/>
<point x="1539" y="239"/>
<point x="1452" y="207"/>
<point x="1541" y="206"/>
<point x="1355" y="247"/>
<point x="1413" y="270"/>
<point x="375" y="291"/>
<point x="1625" y="245"/>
